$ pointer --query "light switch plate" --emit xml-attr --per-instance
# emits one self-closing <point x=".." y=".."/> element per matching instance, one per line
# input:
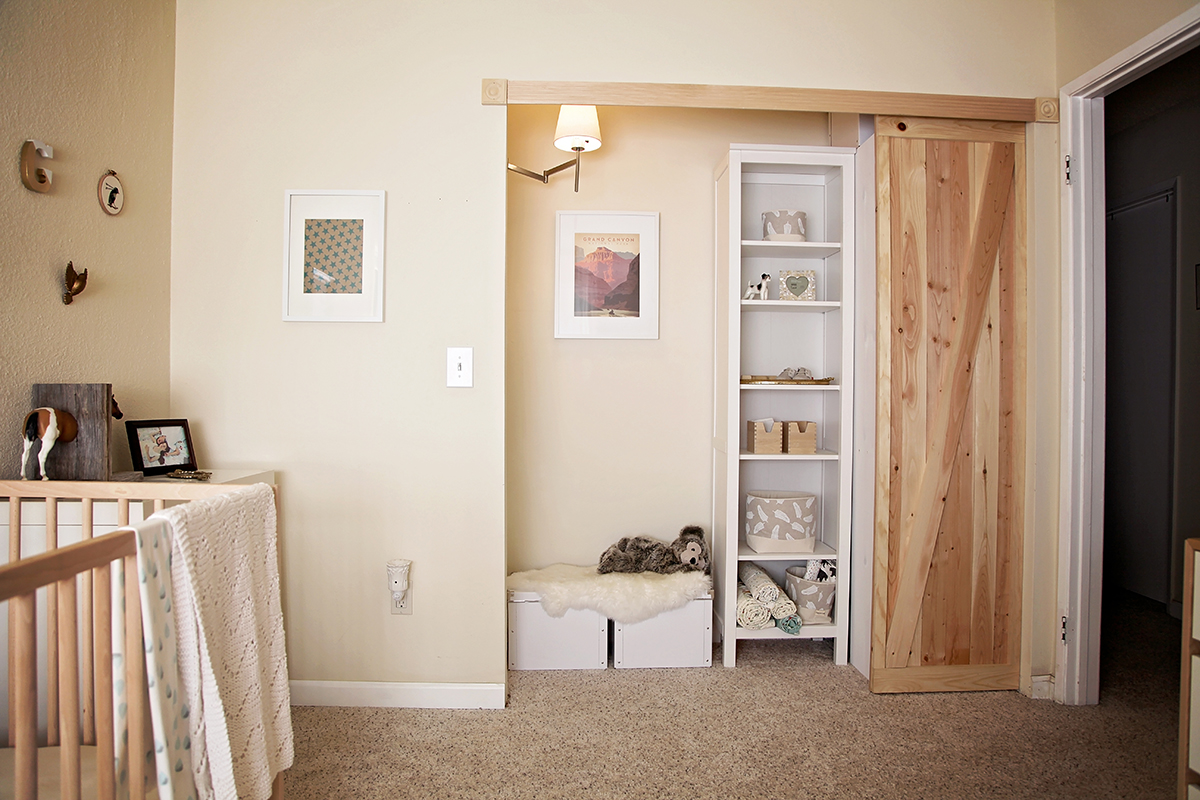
<point x="460" y="367"/>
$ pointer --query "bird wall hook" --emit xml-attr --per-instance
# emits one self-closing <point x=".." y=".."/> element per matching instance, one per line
<point x="73" y="283"/>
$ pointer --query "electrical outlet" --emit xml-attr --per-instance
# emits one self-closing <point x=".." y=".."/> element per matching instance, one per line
<point x="403" y="605"/>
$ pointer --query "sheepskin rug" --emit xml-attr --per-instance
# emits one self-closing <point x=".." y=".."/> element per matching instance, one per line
<point x="624" y="597"/>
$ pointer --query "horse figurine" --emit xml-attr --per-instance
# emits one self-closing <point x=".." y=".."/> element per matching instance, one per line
<point x="51" y="425"/>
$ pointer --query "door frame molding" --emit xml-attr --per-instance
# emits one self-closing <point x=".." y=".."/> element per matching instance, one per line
<point x="1081" y="479"/>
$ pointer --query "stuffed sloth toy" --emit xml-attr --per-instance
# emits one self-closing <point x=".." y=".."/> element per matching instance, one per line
<point x="642" y="554"/>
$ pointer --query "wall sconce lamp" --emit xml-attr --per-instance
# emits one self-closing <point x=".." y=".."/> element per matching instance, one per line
<point x="578" y="131"/>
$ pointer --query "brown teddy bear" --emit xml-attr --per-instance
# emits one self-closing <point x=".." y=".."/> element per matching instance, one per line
<point x="642" y="554"/>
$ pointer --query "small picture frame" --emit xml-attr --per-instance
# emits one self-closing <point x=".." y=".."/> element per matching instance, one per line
<point x="606" y="275"/>
<point x="333" y="256"/>
<point x="159" y="446"/>
<point x="797" y="284"/>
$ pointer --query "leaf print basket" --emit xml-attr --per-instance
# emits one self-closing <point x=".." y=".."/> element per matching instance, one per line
<point x="813" y="599"/>
<point x="781" y="522"/>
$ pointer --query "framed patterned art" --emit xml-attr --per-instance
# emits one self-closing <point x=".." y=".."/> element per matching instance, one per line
<point x="333" y="256"/>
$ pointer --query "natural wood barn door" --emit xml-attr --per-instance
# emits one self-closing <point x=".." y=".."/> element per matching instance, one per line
<point x="950" y="449"/>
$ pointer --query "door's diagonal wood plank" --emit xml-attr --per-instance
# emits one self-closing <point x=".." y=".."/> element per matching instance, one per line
<point x="919" y="528"/>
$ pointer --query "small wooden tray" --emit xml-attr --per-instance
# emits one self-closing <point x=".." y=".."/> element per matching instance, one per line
<point x="773" y="380"/>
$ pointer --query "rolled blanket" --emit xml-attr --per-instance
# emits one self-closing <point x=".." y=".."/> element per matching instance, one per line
<point x="789" y="624"/>
<point x="781" y="608"/>
<point x="761" y="587"/>
<point x="751" y="614"/>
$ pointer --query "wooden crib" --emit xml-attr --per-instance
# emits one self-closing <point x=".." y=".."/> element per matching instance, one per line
<point x="78" y="635"/>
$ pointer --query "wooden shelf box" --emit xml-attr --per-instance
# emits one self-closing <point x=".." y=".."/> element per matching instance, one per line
<point x="800" y="438"/>
<point x="761" y="441"/>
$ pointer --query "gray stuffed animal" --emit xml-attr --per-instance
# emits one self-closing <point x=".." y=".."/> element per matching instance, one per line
<point x="642" y="554"/>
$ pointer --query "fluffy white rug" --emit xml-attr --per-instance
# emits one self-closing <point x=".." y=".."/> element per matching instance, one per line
<point x="623" y="597"/>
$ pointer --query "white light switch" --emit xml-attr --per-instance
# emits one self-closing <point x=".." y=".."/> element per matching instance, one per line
<point x="459" y="368"/>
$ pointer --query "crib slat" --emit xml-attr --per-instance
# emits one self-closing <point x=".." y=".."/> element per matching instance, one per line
<point x="159" y="505"/>
<point x="102" y="627"/>
<point x="14" y="555"/>
<point x="52" y="737"/>
<point x="24" y="699"/>
<point x="86" y="644"/>
<point x="68" y="691"/>
<point x="135" y="677"/>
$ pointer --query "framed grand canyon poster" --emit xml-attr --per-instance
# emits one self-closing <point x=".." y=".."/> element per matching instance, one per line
<point x="606" y="275"/>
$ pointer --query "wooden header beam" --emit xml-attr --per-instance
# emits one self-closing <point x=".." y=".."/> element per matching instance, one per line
<point x="497" y="91"/>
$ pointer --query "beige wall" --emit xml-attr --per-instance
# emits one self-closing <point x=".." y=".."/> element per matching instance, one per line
<point x="1089" y="32"/>
<point x="377" y="458"/>
<point x="612" y="438"/>
<point x="94" y="81"/>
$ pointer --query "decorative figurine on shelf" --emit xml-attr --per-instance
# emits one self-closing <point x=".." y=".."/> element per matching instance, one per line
<point x="758" y="290"/>
<point x="51" y="425"/>
<point x="688" y="553"/>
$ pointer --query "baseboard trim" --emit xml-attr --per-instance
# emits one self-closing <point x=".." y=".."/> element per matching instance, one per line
<point x="1042" y="687"/>
<point x="397" y="695"/>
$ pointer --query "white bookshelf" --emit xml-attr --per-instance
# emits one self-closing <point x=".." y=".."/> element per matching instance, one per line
<point x="762" y="337"/>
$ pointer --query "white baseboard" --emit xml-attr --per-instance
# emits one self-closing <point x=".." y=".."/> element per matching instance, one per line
<point x="1043" y="687"/>
<point x="397" y="695"/>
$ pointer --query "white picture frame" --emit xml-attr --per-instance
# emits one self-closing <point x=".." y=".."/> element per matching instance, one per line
<point x="333" y="255"/>
<point x="629" y="307"/>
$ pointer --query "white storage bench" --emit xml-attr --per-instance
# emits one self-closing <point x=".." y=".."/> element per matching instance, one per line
<point x="657" y="620"/>
<point x="536" y="640"/>
<point x="679" y="638"/>
<point x="579" y="638"/>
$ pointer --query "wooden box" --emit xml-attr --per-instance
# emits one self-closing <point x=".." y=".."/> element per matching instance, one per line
<point x="763" y="441"/>
<point x="87" y="457"/>
<point x="800" y="437"/>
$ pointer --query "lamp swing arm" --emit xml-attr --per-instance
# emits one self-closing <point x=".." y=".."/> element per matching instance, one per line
<point x="544" y="177"/>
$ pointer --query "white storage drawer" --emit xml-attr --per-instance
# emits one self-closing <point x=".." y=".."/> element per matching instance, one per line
<point x="679" y="638"/>
<point x="536" y="640"/>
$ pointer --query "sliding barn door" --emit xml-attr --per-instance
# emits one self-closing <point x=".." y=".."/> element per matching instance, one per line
<point x="950" y="452"/>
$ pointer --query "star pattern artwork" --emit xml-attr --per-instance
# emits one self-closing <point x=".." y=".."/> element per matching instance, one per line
<point x="333" y="256"/>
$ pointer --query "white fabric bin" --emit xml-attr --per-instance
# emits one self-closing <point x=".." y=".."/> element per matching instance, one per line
<point x="536" y="640"/>
<point x="679" y="638"/>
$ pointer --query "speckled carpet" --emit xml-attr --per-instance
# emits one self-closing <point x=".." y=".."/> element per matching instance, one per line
<point x="785" y="723"/>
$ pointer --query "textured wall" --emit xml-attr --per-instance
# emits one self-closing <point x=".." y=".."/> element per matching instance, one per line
<point x="94" y="80"/>
<point x="377" y="458"/>
<point x="1089" y="32"/>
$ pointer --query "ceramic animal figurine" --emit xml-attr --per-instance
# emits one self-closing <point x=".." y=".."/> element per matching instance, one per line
<point x="51" y="425"/>
<point x="758" y="290"/>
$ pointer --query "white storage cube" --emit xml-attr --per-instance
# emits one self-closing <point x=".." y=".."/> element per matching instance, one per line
<point x="536" y="640"/>
<point x="679" y="638"/>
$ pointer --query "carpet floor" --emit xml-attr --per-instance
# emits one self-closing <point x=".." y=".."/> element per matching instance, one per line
<point x="785" y="723"/>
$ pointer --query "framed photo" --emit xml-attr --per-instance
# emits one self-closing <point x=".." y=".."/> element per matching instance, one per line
<point x="606" y="275"/>
<point x="159" y="446"/>
<point x="333" y="256"/>
<point x="797" y="284"/>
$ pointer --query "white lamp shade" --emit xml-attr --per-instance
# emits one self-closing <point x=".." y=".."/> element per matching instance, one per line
<point x="578" y="128"/>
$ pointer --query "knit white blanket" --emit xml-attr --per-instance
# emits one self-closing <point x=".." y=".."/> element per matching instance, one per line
<point x="232" y="661"/>
<point x="627" y="598"/>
